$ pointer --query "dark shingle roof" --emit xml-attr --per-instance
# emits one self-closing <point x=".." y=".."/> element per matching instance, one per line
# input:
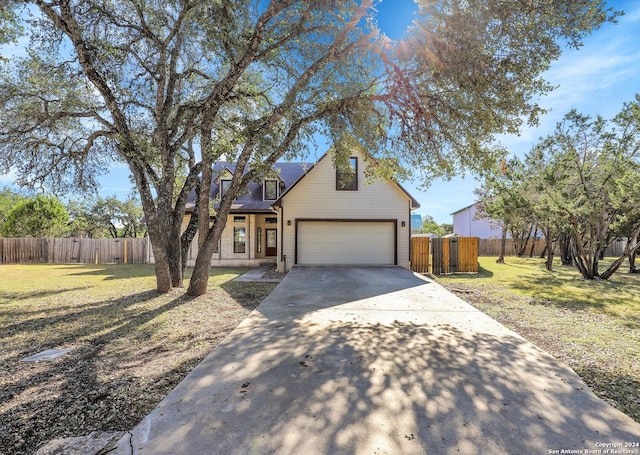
<point x="251" y="199"/>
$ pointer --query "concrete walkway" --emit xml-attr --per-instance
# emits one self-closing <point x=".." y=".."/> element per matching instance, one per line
<point x="255" y="275"/>
<point x="376" y="361"/>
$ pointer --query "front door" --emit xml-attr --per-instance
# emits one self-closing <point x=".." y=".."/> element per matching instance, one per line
<point x="272" y="242"/>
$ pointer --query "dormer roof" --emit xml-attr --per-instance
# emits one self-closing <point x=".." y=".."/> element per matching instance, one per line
<point x="252" y="198"/>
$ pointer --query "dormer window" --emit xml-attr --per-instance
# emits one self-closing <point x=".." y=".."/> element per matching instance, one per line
<point x="270" y="189"/>
<point x="225" y="184"/>
<point x="347" y="176"/>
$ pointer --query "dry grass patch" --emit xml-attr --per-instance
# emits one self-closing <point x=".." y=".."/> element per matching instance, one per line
<point x="130" y="345"/>
<point x="592" y="325"/>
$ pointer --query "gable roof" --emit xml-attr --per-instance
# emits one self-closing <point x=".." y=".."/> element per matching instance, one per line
<point x="465" y="208"/>
<point x="251" y="198"/>
<point x="414" y="203"/>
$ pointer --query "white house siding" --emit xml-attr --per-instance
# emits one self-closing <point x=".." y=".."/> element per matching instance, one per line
<point x="315" y="197"/>
<point x="466" y="223"/>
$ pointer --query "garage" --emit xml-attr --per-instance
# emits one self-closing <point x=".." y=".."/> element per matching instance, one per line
<point x="346" y="242"/>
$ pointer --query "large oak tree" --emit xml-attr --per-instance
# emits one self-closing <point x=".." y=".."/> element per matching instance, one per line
<point x="170" y="86"/>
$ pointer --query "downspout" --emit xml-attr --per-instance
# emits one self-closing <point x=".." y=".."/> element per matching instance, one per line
<point x="409" y="240"/>
<point x="282" y="255"/>
<point x="249" y="237"/>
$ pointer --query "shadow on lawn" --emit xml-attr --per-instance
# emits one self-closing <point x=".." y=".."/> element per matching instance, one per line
<point x="81" y="320"/>
<point x="558" y="289"/>
<point x="127" y="353"/>
<point x="483" y="273"/>
<point x="112" y="271"/>
<point x="619" y="390"/>
<point x="10" y="297"/>
<point x="605" y="296"/>
<point x="67" y="396"/>
<point x="248" y="296"/>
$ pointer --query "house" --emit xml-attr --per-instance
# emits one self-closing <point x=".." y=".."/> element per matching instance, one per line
<point x="313" y="214"/>
<point x="467" y="223"/>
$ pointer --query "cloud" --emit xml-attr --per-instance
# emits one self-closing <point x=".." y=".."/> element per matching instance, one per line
<point x="631" y="15"/>
<point x="595" y="79"/>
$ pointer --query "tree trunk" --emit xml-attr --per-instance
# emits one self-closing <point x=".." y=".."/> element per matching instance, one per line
<point x="565" y="249"/>
<point x="632" y="257"/>
<point x="188" y="236"/>
<point x="520" y="241"/>
<point x="587" y="266"/>
<point x="200" y="275"/>
<point x="163" y="224"/>
<point x="503" y="245"/>
<point x="166" y="245"/>
<point x="207" y="176"/>
<point x="548" y="238"/>
<point x="630" y="250"/>
<point x="161" y="259"/>
<point x="175" y="260"/>
<point x="586" y="260"/>
<point x="543" y="253"/>
<point x="533" y="242"/>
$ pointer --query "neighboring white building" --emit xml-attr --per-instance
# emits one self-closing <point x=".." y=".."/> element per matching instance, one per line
<point x="467" y="223"/>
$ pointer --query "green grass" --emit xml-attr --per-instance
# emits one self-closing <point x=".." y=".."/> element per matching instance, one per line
<point x="592" y="325"/>
<point x="130" y="345"/>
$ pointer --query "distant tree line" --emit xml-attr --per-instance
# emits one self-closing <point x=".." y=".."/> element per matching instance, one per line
<point x="430" y="226"/>
<point x="579" y="188"/>
<point x="23" y="215"/>
<point x="170" y="90"/>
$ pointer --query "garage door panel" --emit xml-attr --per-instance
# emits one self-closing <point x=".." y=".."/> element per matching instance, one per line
<point x="356" y="243"/>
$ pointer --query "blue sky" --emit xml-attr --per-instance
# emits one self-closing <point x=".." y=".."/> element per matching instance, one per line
<point x="597" y="79"/>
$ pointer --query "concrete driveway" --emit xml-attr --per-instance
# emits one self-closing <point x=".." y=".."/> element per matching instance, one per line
<point x="375" y="360"/>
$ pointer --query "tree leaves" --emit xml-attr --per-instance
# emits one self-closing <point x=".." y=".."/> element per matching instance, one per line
<point x="40" y="216"/>
<point x="581" y="181"/>
<point x="141" y="81"/>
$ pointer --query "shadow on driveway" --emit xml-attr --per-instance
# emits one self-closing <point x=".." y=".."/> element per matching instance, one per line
<point x="376" y="360"/>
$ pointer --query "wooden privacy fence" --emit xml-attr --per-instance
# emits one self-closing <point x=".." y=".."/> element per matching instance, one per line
<point x="491" y="247"/>
<point x="420" y="252"/>
<point x="74" y="251"/>
<point x="444" y="255"/>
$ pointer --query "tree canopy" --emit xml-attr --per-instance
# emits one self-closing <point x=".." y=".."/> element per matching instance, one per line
<point x="429" y="226"/>
<point x="39" y="216"/>
<point x="8" y="199"/>
<point x="169" y="87"/>
<point x="106" y="217"/>
<point x="580" y="186"/>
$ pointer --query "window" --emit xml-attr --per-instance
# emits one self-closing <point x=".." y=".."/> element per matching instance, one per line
<point x="224" y="186"/>
<point x="347" y="176"/>
<point x="271" y="220"/>
<point x="258" y="240"/>
<point x="239" y="219"/>
<point x="270" y="190"/>
<point x="239" y="239"/>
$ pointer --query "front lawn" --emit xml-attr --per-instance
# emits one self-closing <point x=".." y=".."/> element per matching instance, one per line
<point x="593" y="326"/>
<point x="130" y="345"/>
